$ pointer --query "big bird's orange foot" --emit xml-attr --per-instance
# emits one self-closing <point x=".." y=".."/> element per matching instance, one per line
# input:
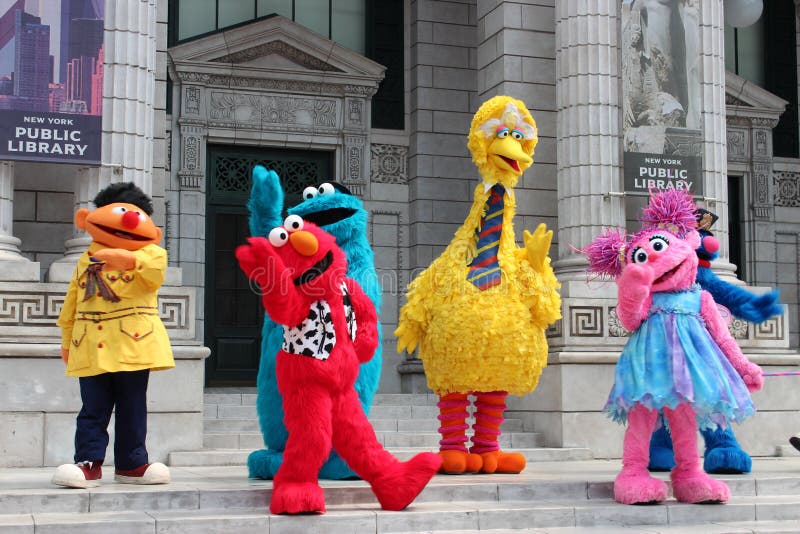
<point x="502" y="462"/>
<point x="459" y="462"/>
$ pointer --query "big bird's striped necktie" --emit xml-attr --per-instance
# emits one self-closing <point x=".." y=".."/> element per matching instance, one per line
<point x="484" y="271"/>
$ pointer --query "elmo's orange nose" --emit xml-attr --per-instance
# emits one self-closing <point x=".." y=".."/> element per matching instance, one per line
<point x="304" y="242"/>
<point x="130" y="219"/>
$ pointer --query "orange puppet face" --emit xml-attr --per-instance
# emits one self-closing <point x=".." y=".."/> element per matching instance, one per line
<point x="119" y="225"/>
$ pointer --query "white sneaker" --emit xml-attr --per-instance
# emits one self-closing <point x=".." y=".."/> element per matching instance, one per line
<point x="80" y="475"/>
<point x="155" y="473"/>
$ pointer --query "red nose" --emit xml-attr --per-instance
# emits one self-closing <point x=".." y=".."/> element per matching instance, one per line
<point x="130" y="219"/>
<point x="710" y="244"/>
<point x="653" y="256"/>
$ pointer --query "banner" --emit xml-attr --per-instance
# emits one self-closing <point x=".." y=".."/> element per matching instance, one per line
<point x="51" y="80"/>
<point x="662" y="96"/>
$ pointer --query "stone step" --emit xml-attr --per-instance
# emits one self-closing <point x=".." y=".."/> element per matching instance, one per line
<point x="231" y="457"/>
<point x="380" y="425"/>
<point x="542" y="517"/>
<point x="247" y="397"/>
<point x="390" y="439"/>
<point x="550" y="497"/>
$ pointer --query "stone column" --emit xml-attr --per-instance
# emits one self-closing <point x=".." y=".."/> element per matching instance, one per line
<point x="589" y="132"/>
<point x="13" y="265"/>
<point x="128" y="115"/>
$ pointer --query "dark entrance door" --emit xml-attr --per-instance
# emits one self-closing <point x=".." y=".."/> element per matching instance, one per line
<point x="233" y="313"/>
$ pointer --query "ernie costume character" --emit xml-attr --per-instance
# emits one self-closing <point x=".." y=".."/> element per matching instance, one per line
<point x="112" y="337"/>
<point x="680" y="358"/>
<point x="329" y="329"/>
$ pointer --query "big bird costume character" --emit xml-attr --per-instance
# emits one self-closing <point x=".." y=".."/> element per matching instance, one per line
<point x="335" y="210"/>
<point x="329" y="328"/>
<point x="112" y="336"/>
<point x="479" y="312"/>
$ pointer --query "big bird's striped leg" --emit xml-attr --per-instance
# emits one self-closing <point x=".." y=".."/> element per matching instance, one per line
<point x="452" y="416"/>
<point x="488" y="419"/>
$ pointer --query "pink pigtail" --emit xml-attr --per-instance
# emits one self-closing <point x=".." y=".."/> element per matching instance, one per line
<point x="673" y="210"/>
<point x="606" y="254"/>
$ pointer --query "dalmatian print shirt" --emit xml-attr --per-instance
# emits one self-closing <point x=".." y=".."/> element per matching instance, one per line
<point x="315" y="336"/>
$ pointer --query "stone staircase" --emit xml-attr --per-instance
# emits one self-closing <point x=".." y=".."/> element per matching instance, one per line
<point x="404" y="423"/>
<point x="548" y="497"/>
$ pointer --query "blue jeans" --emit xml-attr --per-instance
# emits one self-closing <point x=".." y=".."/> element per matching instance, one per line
<point x="100" y="394"/>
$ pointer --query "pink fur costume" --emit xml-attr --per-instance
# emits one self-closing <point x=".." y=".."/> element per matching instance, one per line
<point x="680" y="358"/>
<point x="329" y="329"/>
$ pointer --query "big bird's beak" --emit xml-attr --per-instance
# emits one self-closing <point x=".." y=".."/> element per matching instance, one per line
<point x="507" y="155"/>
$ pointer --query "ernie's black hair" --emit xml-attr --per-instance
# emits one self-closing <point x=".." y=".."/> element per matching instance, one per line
<point x="126" y="192"/>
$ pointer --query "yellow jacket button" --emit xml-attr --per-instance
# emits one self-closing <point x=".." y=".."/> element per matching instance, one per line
<point x="99" y="327"/>
<point x="99" y="345"/>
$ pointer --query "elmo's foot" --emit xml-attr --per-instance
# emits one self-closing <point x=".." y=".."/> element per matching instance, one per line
<point x="401" y="483"/>
<point x="295" y="498"/>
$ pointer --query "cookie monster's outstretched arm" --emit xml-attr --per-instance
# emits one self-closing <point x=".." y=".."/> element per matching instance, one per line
<point x="266" y="202"/>
<point x="742" y="303"/>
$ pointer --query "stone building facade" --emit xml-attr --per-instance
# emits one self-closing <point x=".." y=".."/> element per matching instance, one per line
<point x="271" y="90"/>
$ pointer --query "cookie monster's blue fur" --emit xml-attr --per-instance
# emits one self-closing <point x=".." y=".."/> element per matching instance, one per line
<point x="266" y="207"/>
<point x="723" y="452"/>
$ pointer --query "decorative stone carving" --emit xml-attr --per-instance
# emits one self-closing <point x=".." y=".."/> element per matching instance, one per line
<point x="281" y="48"/>
<point x="355" y="111"/>
<point x="288" y="86"/>
<point x="738" y="328"/>
<point x="388" y="164"/>
<point x="191" y="149"/>
<point x="760" y="144"/>
<point x="737" y="147"/>
<point x="192" y="103"/>
<point x="731" y="100"/>
<point x="586" y="321"/>
<point x="787" y="189"/>
<point x="168" y="150"/>
<point x="555" y="330"/>
<point x="354" y="160"/>
<point x="760" y="190"/>
<point x="615" y="328"/>
<point x="280" y="112"/>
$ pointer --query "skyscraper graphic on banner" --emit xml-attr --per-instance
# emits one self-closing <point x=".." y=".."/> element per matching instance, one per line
<point x="51" y="80"/>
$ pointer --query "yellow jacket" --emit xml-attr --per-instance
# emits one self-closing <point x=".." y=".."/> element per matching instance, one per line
<point x="106" y="337"/>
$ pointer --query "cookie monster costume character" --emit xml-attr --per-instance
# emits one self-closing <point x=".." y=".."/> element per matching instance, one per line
<point x="341" y="214"/>
<point x="723" y="452"/>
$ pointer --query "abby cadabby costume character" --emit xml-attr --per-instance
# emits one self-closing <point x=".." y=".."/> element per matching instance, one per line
<point x="679" y="360"/>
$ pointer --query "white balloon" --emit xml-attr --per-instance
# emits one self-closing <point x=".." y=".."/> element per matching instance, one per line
<point x="742" y="13"/>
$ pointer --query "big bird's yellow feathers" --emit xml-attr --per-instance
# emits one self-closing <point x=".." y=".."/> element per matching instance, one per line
<point x="490" y="340"/>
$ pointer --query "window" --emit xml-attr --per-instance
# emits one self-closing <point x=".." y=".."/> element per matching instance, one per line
<point x="342" y="21"/>
<point x="371" y="27"/>
<point x="770" y="63"/>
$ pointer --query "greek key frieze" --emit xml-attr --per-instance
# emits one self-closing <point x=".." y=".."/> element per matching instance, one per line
<point x="586" y="321"/>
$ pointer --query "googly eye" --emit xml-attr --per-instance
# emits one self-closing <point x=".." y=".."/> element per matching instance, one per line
<point x="516" y="134"/>
<point x="659" y="244"/>
<point x="502" y="134"/>
<point x="309" y="192"/>
<point x="326" y="189"/>
<point x="293" y="223"/>
<point x="639" y="256"/>
<point x="119" y="209"/>
<point x="278" y="236"/>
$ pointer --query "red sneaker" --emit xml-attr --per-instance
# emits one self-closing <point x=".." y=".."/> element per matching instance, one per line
<point x="156" y="473"/>
<point x="80" y="475"/>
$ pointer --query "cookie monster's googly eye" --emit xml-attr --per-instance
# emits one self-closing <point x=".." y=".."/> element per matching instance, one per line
<point x="293" y="223"/>
<point x="639" y="256"/>
<point x="326" y="189"/>
<point x="278" y="236"/>
<point x="119" y="209"/>
<point x="309" y="193"/>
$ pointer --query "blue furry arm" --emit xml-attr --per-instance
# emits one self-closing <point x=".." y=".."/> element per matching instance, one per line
<point x="266" y="202"/>
<point x="742" y="303"/>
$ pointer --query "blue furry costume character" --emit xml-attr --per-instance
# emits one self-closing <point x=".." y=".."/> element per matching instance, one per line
<point x="341" y="214"/>
<point x="723" y="453"/>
